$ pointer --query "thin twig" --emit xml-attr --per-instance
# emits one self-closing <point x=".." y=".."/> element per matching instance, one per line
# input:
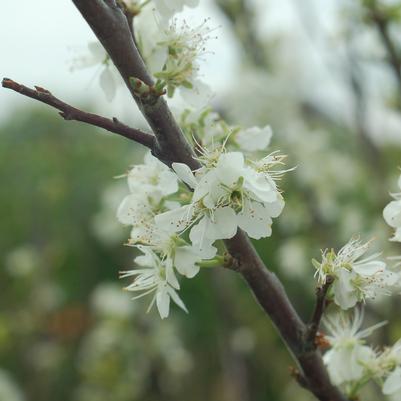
<point x="71" y="113"/>
<point x="320" y="306"/>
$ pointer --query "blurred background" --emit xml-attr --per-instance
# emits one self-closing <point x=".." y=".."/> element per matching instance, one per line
<point x="324" y="75"/>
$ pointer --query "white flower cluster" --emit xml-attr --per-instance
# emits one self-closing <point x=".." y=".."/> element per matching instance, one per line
<point x="172" y="50"/>
<point x="355" y="279"/>
<point x="228" y="194"/>
<point x="352" y="363"/>
<point x="349" y="356"/>
<point x="177" y="215"/>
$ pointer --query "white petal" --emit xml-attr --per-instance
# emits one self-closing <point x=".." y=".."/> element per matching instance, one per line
<point x="185" y="261"/>
<point x="163" y="301"/>
<point x="254" y="220"/>
<point x="198" y="96"/>
<point x="200" y="241"/>
<point x="163" y="8"/>
<point x="392" y="214"/>
<point x="177" y="300"/>
<point x="131" y="209"/>
<point x="261" y="186"/>
<point x="275" y="208"/>
<point x="369" y="268"/>
<point x="185" y="174"/>
<point x="175" y="220"/>
<point x="198" y="236"/>
<point x="230" y="168"/>
<point x="254" y="138"/>
<point x="167" y="183"/>
<point x="224" y="223"/>
<point x="344" y="293"/>
<point x="393" y="382"/>
<point x="170" y="275"/>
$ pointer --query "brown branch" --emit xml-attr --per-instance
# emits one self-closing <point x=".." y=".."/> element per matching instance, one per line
<point x="71" y="113"/>
<point x="271" y="295"/>
<point x="320" y="306"/>
<point x="129" y="15"/>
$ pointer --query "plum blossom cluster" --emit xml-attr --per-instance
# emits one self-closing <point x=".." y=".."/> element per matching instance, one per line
<point x="172" y="50"/>
<point x="228" y="193"/>
<point x="351" y="362"/>
<point x="177" y="216"/>
<point x="355" y="279"/>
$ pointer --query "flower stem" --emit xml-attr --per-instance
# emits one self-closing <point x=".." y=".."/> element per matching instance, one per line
<point x="217" y="261"/>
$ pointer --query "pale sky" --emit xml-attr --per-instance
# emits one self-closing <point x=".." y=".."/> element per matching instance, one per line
<point x="39" y="39"/>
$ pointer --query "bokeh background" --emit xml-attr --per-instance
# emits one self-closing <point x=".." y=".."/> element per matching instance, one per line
<point x="317" y="72"/>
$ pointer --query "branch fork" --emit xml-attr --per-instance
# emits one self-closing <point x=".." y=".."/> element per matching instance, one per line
<point x="320" y="307"/>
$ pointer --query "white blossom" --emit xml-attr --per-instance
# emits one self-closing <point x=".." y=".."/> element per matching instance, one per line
<point x="388" y="365"/>
<point x="174" y="250"/>
<point x="109" y="77"/>
<point x="172" y="50"/>
<point x="227" y="194"/>
<point x="348" y="357"/>
<point x="156" y="276"/>
<point x="148" y="183"/>
<point x="392" y="384"/>
<point x="355" y="279"/>
<point x="152" y="178"/>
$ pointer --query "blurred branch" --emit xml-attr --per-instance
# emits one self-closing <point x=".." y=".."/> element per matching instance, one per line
<point x="242" y="20"/>
<point x="372" y="155"/>
<point x="320" y="306"/>
<point x="71" y="113"/>
<point x="381" y="21"/>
